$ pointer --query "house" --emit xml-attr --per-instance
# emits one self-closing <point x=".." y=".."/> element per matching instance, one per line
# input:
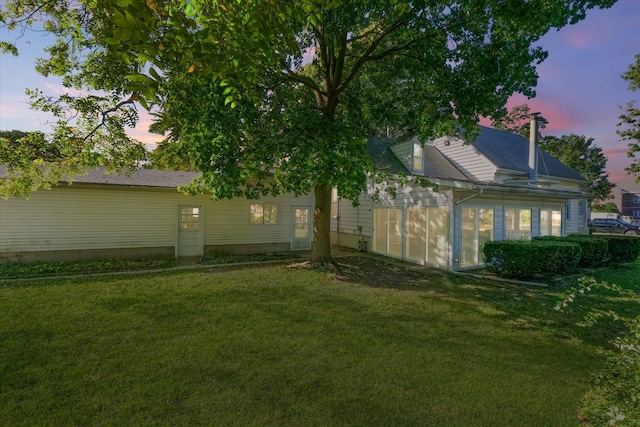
<point x="626" y="196"/>
<point x="499" y="187"/>
<point x="144" y="216"/>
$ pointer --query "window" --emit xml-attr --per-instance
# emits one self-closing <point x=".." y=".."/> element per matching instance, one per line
<point x="550" y="223"/>
<point x="334" y="202"/>
<point x="636" y="200"/>
<point x="263" y="213"/>
<point x="417" y="157"/>
<point x="582" y="207"/>
<point x="635" y="214"/>
<point x="189" y="218"/>
<point x="517" y="224"/>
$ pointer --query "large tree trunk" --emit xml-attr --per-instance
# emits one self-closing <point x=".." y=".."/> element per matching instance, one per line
<point x="321" y="253"/>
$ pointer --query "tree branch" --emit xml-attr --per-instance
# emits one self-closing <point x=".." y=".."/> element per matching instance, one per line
<point x="132" y="99"/>
<point x="307" y="81"/>
<point x="366" y="56"/>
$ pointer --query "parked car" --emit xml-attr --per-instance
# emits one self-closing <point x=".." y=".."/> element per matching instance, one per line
<point x="613" y="226"/>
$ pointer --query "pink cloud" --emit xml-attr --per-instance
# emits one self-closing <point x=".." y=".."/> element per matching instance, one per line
<point x="562" y="119"/>
<point x="615" y="152"/>
<point x="582" y="39"/>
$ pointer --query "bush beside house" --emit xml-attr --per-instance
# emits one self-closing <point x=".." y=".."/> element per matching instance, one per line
<point x="544" y="256"/>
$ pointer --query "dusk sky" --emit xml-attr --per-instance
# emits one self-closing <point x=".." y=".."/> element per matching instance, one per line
<point x="579" y="91"/>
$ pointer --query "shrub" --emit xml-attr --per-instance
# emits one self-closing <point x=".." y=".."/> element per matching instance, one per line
<point x="524" y="259"/>
<point x="594" y="249"/>
<point x="621" y="249"/>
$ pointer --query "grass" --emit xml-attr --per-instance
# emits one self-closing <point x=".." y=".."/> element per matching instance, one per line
<point x="275" y="346"/>
<point x="65" y="268"/>
<point x="69" y="268"/>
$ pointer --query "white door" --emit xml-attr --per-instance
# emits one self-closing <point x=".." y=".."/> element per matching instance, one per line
<point x="190" y="231"/>
<point x="301" y="233"/>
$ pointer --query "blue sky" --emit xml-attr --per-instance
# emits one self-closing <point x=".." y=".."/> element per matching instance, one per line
<point x="579" y="90"/>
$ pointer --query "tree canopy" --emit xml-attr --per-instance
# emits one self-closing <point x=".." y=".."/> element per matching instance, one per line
<point x="630" y="120"/>
<point x="273" y="96"/>
<point x="607" y="207"/>
<point x="578" y="152"/>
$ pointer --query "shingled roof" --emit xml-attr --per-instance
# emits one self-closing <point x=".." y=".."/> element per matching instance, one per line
<point x="139" y="178"/>
<point x="509" y="151"/>
<point x="379" y="149"/>
<point x="436" y="165"/>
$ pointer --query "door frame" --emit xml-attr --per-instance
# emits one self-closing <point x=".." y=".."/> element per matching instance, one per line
<point x="200" y="228"/>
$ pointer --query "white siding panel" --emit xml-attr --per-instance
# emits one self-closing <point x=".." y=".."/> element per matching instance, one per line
<point x="355" y="220"/>
<point x="411" y="195"/>
<point x="227" y="221"/>
<point x="68" y="219"/>
<point x="81" y="218"/>
<point x="468" y="159"/>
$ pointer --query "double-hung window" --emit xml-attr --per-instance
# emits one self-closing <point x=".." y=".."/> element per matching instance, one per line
<point x="264" y="213"/>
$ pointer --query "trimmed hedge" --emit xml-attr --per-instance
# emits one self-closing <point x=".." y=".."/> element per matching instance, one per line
<point x="622" y="248"/>
<point x="530" y="258"/>
<point x="550" y="255"/>
<point x="594" y="249"/>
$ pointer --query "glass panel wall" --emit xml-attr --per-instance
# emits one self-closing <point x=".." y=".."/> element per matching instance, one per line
<point x="517" y="224"/>
<point x="437" y="241"/>
<point x="550" y="222"/>
<point x="395" y="232"/>
<point x="416" y="233"/>
<point x="387" y="235"/>
<point x="380" y="230"/>
<point x="485" y="230"/>
<point x="469" y="250"/>
<point x="477" y="228"/>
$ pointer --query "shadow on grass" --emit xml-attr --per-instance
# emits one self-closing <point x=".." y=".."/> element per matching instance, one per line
<point x="522" y="307"/>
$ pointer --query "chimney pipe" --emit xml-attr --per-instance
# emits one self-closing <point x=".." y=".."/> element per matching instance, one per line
<point x="533" y="147"/>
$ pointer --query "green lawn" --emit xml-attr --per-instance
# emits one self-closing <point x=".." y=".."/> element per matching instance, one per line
<point x="276" y="346"/>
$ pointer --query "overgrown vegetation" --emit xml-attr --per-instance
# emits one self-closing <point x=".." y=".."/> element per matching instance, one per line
<point x="381" y="344"/>
<point x="615" y="396"/>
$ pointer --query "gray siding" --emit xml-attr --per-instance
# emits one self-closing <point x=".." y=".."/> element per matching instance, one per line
<point x="404" y="151"/>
